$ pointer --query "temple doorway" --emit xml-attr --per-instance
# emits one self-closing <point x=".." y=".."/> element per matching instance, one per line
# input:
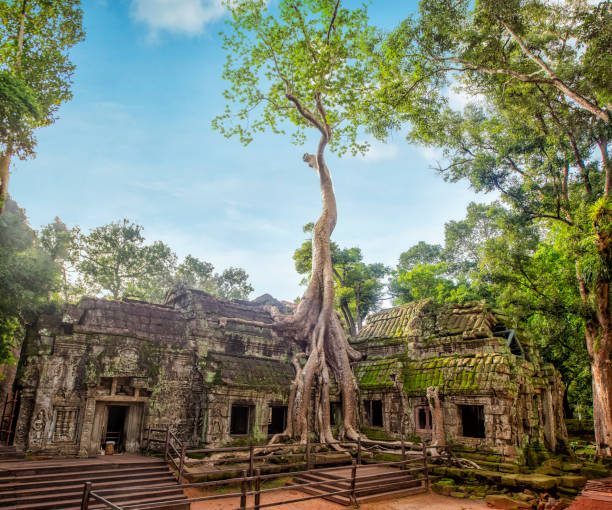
<point x="115" y="425"/>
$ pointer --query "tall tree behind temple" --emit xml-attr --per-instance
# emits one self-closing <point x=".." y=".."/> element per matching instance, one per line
<point x="516" y="267"/>
<point x="35" y="72"/>
<point x="359" y="286"/>
<point x="29" y="277"/>
<point x="115" y="260"/>
<point x="543" y="73"/>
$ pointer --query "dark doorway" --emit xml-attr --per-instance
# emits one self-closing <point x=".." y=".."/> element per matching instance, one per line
<point x="472" y="419"/>
<point x="115" y="425"/>
<point x="423" y="418"/>
<point x="278" y="419"/>
<point x="377" y="414"/>
<point x="240" y="420"/>
<point x="374" y="414"/>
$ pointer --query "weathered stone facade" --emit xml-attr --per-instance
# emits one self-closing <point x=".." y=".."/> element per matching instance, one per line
<point x="496" y="392"/>
<point x="106" y="370"/>
<point x="128" y="365"/>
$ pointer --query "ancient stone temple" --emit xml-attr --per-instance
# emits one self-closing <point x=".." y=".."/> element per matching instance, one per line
<point x="106" y="370"/>
<point x="495" y="391"/>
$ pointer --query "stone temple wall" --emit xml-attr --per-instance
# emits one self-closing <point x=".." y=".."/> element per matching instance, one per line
<point x="151" y="365"/>
<point x="496" y="392"/>
<point x="219" y="382"/>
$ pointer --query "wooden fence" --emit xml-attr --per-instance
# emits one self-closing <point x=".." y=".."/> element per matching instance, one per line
<point x="414" y="462"/>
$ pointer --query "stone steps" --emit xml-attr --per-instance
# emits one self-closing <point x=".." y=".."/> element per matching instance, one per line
<point x="372" y="483"/>
<point x="58" y="484"/>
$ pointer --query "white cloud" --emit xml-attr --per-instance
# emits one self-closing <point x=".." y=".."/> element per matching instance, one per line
<point x="379" y="151"/>
<point x="187" y="17"/>
<point x="432" y="155"/>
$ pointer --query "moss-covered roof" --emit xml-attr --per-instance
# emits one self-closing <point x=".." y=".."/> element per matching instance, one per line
<point x="481" y="373"/>
<point x="460" y="374"/>
<point x="377" y="374"/>
<point x="425" y="319"/>
<point x="248" y="372"/>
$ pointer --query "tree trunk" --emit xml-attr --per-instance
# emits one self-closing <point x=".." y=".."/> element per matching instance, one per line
<point x="316" y="327"/>
<point x="357" y="309"/>
<point x="598" y="333"/>
<point x="5" y="161"/>
<point x="602" y="404"/>
<point x="348" y="318"/>
<point x="438" y="437"/>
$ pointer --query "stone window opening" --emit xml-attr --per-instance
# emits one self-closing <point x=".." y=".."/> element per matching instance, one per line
<point x="511" y="341"/>
<point x="278" y="420"/>
<point x="472" y="421"/>
<point x="374" y="412"/>
<point x="241" y="421"/>
<point x="422" y="418"/>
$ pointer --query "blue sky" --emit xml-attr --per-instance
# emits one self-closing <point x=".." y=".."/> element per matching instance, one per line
<point x="136" y="142"/>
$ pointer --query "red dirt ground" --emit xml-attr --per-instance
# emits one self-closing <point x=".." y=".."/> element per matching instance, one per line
<point x="430" y="501"/>
<point x="583" y="503"/>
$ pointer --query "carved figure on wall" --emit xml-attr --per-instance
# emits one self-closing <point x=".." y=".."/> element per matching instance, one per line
<point x="38" y="428"/>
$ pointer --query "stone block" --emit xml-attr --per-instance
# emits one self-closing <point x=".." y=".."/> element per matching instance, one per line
<point x="573" y="481"/>
<point x="505" y="502"/>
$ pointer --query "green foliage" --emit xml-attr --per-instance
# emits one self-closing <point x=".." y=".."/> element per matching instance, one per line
<point x="537" y="133"/>
<point x="35" y="78"/>
<point x="358" y="286"/>
<point x="17" y="102"/>
<point x="114" y="260"/>
<point x="28" y="277"/>
<point x="309" y="66"/>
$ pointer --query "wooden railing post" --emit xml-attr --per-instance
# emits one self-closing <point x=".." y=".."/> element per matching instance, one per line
<point x="359" y="450"/>
<point x="257" y="488"/>
<point x="148" y="440"/>
<point x="251" y="459"/>
<point x="167" y="443"/>
<point x="425" y="474"/>
<point x="353" y="482"/>
<point x="243" y="490"/>
<point x="307" y="453"/>
<point x="85" y="500"/>
<point x="403" y="453"/>
<point x="181" y="464"/>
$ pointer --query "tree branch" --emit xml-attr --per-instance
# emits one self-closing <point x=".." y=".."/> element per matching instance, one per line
<point x="555" y="80"/>
<point x="333" y="18"/>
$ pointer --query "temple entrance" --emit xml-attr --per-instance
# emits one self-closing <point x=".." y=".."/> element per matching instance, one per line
<point x="115" y="425"/>
<point x="278" y="419"/>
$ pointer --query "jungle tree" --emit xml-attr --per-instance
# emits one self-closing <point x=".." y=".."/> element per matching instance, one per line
<point x="35" y="72"/>
<point x="307" y="66"/>
<point x="541" y="139"/>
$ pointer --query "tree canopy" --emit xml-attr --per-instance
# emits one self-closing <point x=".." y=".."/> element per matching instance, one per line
<point x="35" y="71"/>
<point x="537" y="133"/>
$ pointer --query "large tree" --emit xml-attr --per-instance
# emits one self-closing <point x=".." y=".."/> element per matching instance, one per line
<point x="541" y="71"/>
<point x="28" y="278"/>
<point x="307" y="66"/>
<point x="35" y="72"/>
<point x="114" y="259"/>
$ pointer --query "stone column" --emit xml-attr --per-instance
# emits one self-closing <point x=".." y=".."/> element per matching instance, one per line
<point x="133" y="424"/>
<point x="91" y="417"/>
